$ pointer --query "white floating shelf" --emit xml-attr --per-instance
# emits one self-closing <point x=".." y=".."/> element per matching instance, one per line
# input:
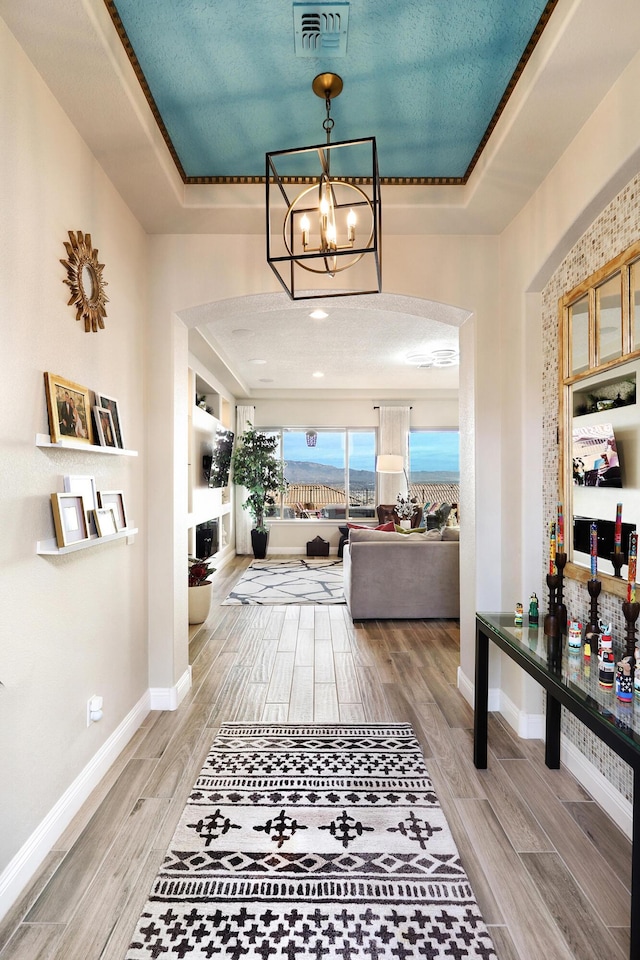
<point x="44" y="440"/>
<point x="50" y="548"/>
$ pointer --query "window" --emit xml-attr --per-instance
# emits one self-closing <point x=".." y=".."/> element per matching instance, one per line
<point x="330" y="474"/>
<point x="434" y="466"/>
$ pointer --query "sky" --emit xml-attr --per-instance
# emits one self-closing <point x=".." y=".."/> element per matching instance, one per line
<point x="430" y="450"/>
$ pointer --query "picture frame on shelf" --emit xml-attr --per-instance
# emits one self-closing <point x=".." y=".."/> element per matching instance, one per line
<point x="69" y="518"/>
<point x="105" y="521"/>
<point x="111" y="404"/>
<point x="69" y="409"/>
<point x="114" y="499"/>
<point x="86" y="487"/>
<point x="105" y="431"/>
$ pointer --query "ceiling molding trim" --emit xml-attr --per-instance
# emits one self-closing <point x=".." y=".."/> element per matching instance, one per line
<point x="142" y="80"/>
<point x="384" y="181"/>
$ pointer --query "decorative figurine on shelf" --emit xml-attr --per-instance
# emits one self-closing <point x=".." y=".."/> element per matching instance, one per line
<point x="606" y="659"/>
<point x="574" y="637"/>
<point x="518" y="614"/>
<point x="533" y="610"/>
<point x="591" y="640"/>
<point x="625" y="679"/>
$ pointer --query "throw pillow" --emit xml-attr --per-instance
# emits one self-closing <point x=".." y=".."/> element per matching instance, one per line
<point x="410" y="530"/>
<point x="436" y="518"/>
<point x="385" y="527"/>
<point x="451" y="533"/>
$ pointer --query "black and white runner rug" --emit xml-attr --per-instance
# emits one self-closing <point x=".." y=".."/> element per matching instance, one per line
<point x="312" y="841"/>
<point x="290" y="581"/>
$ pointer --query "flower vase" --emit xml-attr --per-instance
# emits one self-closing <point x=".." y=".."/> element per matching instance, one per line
<point x="405" y="524"/>
<point x="199" y="602"/>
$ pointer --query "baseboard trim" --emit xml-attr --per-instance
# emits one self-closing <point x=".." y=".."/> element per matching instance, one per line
<point x="170" y="698"/>
<point x="532" y="727"/>
<point x="22" y="867"/>
<point x="596" y="784"/>
<point x="529" y="726"/>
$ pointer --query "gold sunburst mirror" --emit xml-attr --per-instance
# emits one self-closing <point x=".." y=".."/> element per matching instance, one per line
<point x="84" y="279"/>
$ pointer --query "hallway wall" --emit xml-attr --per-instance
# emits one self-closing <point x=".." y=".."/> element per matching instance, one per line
<point x="71" y="626"/>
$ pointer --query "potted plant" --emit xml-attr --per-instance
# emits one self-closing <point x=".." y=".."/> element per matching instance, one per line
<point x="199" y="589"/>
<point x="258" y="470"/>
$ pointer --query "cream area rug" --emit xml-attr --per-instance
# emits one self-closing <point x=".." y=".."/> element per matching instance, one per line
<point x="290" y="581"/>
<point x="317" y="841"/>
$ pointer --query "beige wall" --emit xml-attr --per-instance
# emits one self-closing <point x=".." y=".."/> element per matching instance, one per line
<point x="73" y="626"/>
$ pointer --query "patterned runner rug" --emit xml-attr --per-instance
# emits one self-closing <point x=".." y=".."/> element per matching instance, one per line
<point x="317" y="841"/>
<point x="290" y="581"/>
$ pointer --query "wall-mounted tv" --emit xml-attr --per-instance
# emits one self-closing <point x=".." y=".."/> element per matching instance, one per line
<point x="595" y="456"/>
<point x="216" y="464"/>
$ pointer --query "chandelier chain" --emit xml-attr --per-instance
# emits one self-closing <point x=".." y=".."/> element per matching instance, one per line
<point x="328" y="122"/>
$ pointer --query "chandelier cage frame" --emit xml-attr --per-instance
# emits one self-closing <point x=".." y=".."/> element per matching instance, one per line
<point x="299" y="245"/>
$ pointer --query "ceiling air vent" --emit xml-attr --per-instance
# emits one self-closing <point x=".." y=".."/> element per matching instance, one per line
<point x="320" y="29"/>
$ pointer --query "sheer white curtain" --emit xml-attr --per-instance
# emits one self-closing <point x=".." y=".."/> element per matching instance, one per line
<point x="243" y="517"/>
<point x="393" y="437"/>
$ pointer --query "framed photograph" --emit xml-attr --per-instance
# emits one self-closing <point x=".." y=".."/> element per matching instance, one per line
<point x="105" y="521"/>
<point x="69" y="518"/>
<point x="69" y="409"/>
<point x="104" y="427"/>
<point x="115" y="500"/>
<point x="108" y="403"/>
<point x="86" y="487"/>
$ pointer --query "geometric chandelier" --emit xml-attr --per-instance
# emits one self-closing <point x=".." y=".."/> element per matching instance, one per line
<point x="324" y="240"/>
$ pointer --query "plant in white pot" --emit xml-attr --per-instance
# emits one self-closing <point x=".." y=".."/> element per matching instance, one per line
<point x="200" y="587"/>
<point x="261" y="473"/>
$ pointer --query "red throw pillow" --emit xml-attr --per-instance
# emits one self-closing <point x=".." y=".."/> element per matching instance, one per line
<point x="389" y="527"/>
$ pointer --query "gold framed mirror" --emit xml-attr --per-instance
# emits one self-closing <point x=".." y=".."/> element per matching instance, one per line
<point x="84" y="279"/>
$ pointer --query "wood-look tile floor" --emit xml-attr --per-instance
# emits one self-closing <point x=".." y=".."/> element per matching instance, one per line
<point x="550" y="870"/>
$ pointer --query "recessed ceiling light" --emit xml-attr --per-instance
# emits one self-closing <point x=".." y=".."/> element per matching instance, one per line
<point x="318" y="373"/>
<point x="241" y="331"/>
<point x="266" y="380"/>
<point x="256" y="360"/>
<point x="318" y="315"/>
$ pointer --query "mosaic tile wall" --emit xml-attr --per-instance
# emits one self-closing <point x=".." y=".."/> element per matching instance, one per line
<point x="617" y="227"/>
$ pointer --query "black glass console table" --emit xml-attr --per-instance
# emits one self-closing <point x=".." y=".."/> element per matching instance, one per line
<point x="570" y="682"/>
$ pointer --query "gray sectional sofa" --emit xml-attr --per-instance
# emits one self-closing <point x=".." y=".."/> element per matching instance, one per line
<point x="402" y="576"/>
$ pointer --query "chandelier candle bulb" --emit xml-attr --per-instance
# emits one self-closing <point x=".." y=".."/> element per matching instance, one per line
<point x="304" y="226"/>
<point x="593" y="540"/>
<point x="351" y="226"/>
<point x="552" y="547"/>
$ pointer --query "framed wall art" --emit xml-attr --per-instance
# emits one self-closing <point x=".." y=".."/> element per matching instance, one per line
<point x="104" y="427"/>
<point x="69" y="409"/>
<point x="108" y="403"/>
<point x="105" y="521"/>
<point x="69" y="518"/>
<point x="86" y="487"/>
<point x="114" y="499"/>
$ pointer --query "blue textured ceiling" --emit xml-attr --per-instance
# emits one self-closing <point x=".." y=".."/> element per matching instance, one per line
<point x="425" y="77"/>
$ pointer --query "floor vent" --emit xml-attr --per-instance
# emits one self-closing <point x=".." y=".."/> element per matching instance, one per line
<point x="320" y="29"/>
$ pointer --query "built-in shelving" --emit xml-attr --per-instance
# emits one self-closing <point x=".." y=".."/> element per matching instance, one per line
<point x="44" y="440"/>
<point x="50" y="548"/>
